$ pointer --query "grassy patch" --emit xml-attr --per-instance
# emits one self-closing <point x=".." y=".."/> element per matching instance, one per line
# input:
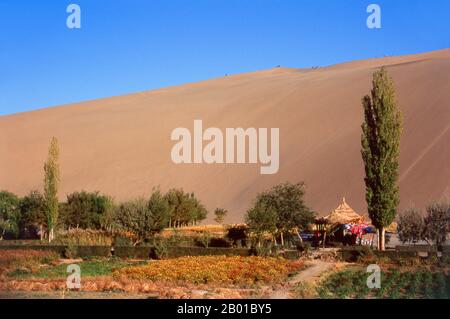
<point x="90" y="268"/>
<point x="395" y="284"/>
<point x="25" y="259"/>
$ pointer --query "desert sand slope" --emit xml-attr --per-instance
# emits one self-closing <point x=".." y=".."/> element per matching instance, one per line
<point x="121" y="145"/>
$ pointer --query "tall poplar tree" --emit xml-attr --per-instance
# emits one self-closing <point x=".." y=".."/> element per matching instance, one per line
<point x="51" y="183"/>
<point x="380" y="141"/>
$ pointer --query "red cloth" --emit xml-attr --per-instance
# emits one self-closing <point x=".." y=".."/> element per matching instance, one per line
<point x="358" y="229"/>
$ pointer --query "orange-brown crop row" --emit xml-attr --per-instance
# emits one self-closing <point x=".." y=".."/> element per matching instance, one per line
<point x="214" y="270"/>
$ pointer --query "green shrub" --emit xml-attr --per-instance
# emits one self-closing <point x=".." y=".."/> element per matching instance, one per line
<point x="161" y="249"/>
<point x="87" y="210"/>
<point x="437" y="222"/>
<point x="304" y="247"/>
<point x="122" y="241"/>
<point x="204" y="239"/>
<point x="411" y="226"/>
<point x="71" y="252"/>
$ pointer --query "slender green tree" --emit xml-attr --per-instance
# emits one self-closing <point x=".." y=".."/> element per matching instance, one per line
<point x="380" y="141"/>
<point x="220" y="214"/>
<point x="51" y="183"/>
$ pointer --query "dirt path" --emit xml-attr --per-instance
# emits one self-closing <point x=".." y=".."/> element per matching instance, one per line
<point x="310" y="275"/>
<point x="72" y="295"/>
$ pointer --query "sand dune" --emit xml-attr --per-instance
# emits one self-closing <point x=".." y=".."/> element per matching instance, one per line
<point x="121" y="145"/>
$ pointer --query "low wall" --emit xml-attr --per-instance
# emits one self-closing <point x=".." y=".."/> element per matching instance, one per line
<point x="352" y="253"/>
<point x="139" y="252"/>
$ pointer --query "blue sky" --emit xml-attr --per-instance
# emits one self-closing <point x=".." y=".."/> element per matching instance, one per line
<point x="127" y="46"/>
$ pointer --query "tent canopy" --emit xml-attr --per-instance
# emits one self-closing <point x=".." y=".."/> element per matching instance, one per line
<point x="343" y="214"/>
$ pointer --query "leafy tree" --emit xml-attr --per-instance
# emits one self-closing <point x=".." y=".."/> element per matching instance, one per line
<point x="287" y="201"/>
<point x="198" y="211"/>
<point x="51" y="183"/>
<point x="185" y="208"/>
<point x="159" y="211"/>
<point x="9" y="214"/>
<point x="88" y="210"/>
<point x="411" y="226"/>
<point x="437" y="222"/>
<point x="32" y="212"/>
<point x="132" y="216"/>
<point x="261" y="219"/>
<point x="143" y="218"/>
<point x="220" y="214"/>
<point x="380" y="142"/>
<point x="178" y="201"/>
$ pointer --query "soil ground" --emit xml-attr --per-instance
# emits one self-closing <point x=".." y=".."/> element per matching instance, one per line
<point x="315" y="268"/>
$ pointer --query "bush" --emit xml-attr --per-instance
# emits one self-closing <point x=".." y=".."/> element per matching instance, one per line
<point x="262" y="251"/>
<point x="87" y="210"/>
<point x="204" y="239"/>
<point x="121" y="240"/>
<point x="9" y="215"/>
<point x="32" y="215"/>
<point x="178" y="239"/>
<point x="437" y="222"/>
<point x="304" y="247"/>
<point x="411" y="226"/>
<point x="71" y="252"/>
<point x="161" y="250"/>
<point x="237" y="234"/>
<point x="143" y="218"/>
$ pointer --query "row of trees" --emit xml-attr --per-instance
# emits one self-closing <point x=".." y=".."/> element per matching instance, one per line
<point x="25" y="217"/>
<point x="276" y="211"/>
<point x="43" y="213"/>
<point x="413" y="226"/>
